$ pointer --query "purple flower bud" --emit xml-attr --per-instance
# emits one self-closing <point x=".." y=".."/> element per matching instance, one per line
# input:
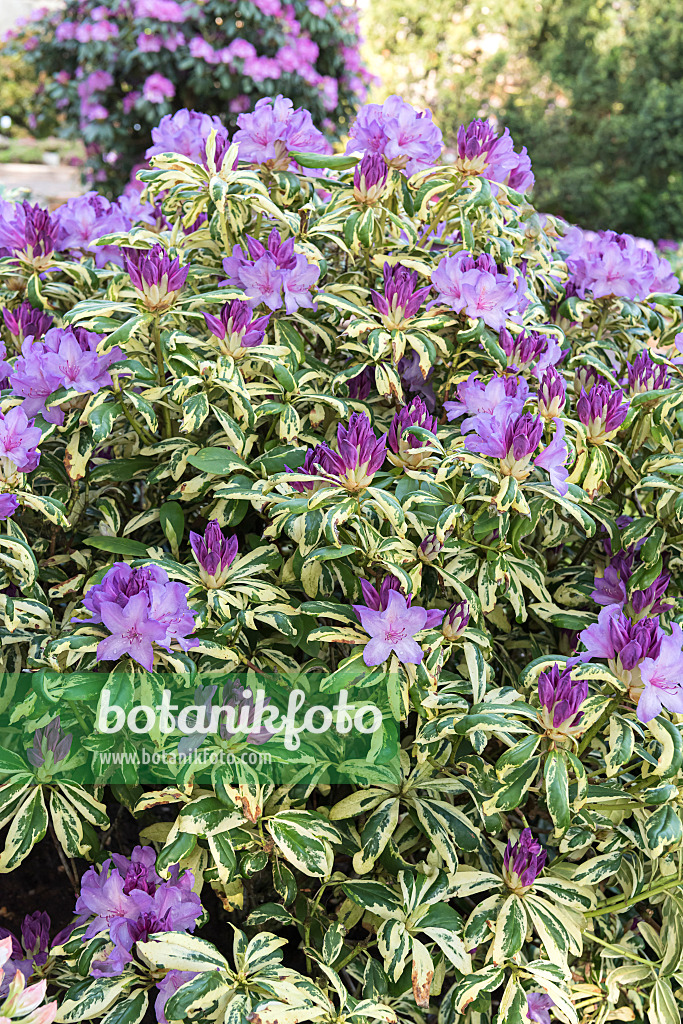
<point x="26" y="321"/>
<point x="29" y="233"/>
<point x="214" y="553"/>
<point x="156" y="277"/>
<point x="602" y="411"/>
<point x="551" y="394"/>
<point x="235" y="330"/>
<point x="526" y="349"/>
<point x="378" y="600"/>
<point x="408" y="449"/>
<point x="585" y="377"/>
<point x="523" y="862"/>
<point x="649" y="602"/>
<point x="35" y="935"/>
<point x="430" y="548"/>
<point x="49" y="740"/>
<point x="9" y="503"/>
<point x="369" y="178"/>
<point x="482" y="151"/>
<point x="646" y="375"/>
<point x="455" y="621"/>
<point x="561" y="698"/>
<point x="402" y="298"/>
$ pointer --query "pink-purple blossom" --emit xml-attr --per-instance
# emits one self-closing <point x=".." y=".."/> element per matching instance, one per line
<point x="272" y="274"/>
<point x="273" y="130"/>
<point x="84" y="219"/>
<point x="157" y="88"/>
<point x="478" y="288"/>
<point x="392" y="631"/>
<point x="185" y="132"/>
<point x="481" y="151"/>
<point x="408" y="140"/>
<point x="19" y="441"/>
<point x="538" y="1006"/>
<point x="401" y="299"/>
<point x="603" y="264"/>
<point x="530" y="350"/>
<point x="662" y="678"/>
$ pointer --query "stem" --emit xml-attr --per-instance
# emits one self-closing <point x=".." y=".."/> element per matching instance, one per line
<point x="618" y="949"/>
<point x="137" y="427"/>
<point x="624" y="904"/>
<point x="167" y="430"/>
<point x="67" y="863"/>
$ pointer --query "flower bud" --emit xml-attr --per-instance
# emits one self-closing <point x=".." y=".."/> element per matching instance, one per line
<point x="602" y="412"/>
<point x="430" y="548"/>
<point x="551" y="394"/>
<point x="369" y="179"/>
<point x="455" y="620"/>
<point x="157" y="279"/>
<point x="523" y="862"/>
<point x="214" y="554"/>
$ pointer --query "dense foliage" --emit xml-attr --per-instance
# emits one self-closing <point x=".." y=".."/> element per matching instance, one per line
<point x="399" y="441"/>
<point x="107" y="72"/>
<point x="593" y="88"/>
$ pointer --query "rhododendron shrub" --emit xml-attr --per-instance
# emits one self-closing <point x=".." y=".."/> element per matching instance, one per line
<point x="358" y="438"/>
<point x="106" y="73"/>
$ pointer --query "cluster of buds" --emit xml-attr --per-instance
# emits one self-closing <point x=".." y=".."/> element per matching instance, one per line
<point x="402" y="298"/>
<point x="523" y="350"/>
<point x="522" y="438"/>
<point x="551" y="394"/>
<point x="523" y="862"/>
<point x="39" y="238"/>
<point x="26" y="322"/>
<point x="360" y="454"/>
<point x="157" y="279"/>
<point x="50" y="746"/>
<point x="585" y="378"/>
<point x="646" y="375"/>
<point x="214" y="554"/>
<point x="378" y="600"/>
<point x="235" y="330"/>
<point x="602" y="411"/>
<point x="369" y="179"/>
<point x="475" y="142"/>
<point x="455" y="620"/>
<point x="22" y="1002"/>
<point x="408" y="449"/>
<point x="430" y="548"/>
<point x="561" y="698"/>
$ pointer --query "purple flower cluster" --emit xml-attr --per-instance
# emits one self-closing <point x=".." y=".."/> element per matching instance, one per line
<point x="602" y="411"/>
<point x="50" y="745"/>
<point x="19" y="454"/>
<point x="561" y="698"/>
<point x="407" y="449"/>
<point x="402" y="298"/>
<point x="360" y="454"/>
<point x="140" y="608"/>
<point x="83" y="219"/>
<point x="236" y="329"/>
<point x="24" y="322"/>
<point x="214" y="554"/>
<point x="272" y="273"/>
<point x="477" y="288"/>
<point x="408" y="140"/>
<point x="274" y="129"/>
<point x="157" y="278"/>
<point x="529" y="351"/>
<point x="127" y="901"/>
<point x="648" y="660"/>
<point x="392" y="626"/>
<point x="29" y="233"/>
<point x="605" y="264"/>
<point x="610" y="588"/>
<point x="185" y="132"/>
<point x="482" y="151"/>
<point x="31" y="952"/>
<point x="644" y="374"/>
<point x="523" y="862"/>
<point x="66" y="358"/>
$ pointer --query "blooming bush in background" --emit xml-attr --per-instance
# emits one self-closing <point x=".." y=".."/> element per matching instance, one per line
<point x="107" y="72"/>
<point x="372" y="424"/>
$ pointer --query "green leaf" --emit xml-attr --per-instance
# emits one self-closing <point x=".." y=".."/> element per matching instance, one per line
<point x="511" y="925"/>
<point x="218" y="461"/>
<point x="118" y="546"/>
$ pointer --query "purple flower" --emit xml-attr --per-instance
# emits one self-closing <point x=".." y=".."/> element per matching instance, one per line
<point x="538" y="1006"/>
<point x="552" y="394"/>
<point x="29" y="233"/>
<point x="214" y="554"/>
<point x="504" y="396"/>
<point x="478" y="288"/>
<point x="140" y="607"/>
<point x="269" y="271"/>
<point x="361" y="385"/>
<point x="456" y="620"/>
<point x="606" y="264"/>
<point x="523" y="862"/>
<point x="624" y="644"/>
<point x="235" y="330"/>
<point x="273" y="130"/>
<point x="610" y="588"/>
<point x="29" y="954"/>
<point x="157" y="279"/>
<point x="129" y="902"/>
<point x="646" y="375"/>
<point x="529" y="351"/>
<point x="392" y="630"/>
<point x="369" y="179"/>
<point x="401" y="299"/>
<point x="429" y="548"/>
<point x="24" y="322"/>
<point x="360" y="454"/>
<point x="408" y="449"/>
<point x="66" y="358"/>
<point x="185" y="132"/>
<point x="662" y="678"/>
<point x="649" y="601"/>
<point x="49" y="744"/>
<point x="9" y="503"/>
<point x="18" y="444"/>
<point x="161" y="10"/>
<point x="602" y="411"/>
<point x="83" y="219"/>
<point x="553" y="459"/>
<point x="561" y="698"/>
<point x="157" y="88"/>
<point x="408" y="140"/>
<point x="482" y="151"/>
